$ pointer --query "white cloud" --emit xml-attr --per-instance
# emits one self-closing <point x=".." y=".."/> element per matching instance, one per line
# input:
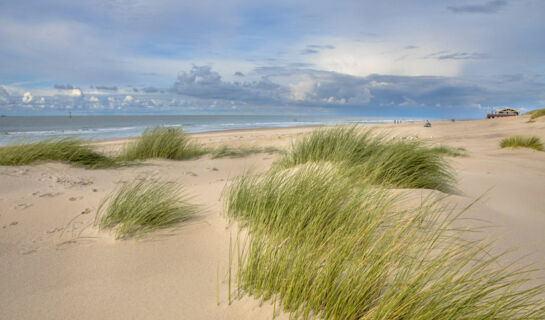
<point x="128" y="99"/>
<point x="76" y="92"/>
<point x="365" y="58"/>
<point x="93" y="99"/>
<point x="27" y="97"/>
<point x="302" y="87"/>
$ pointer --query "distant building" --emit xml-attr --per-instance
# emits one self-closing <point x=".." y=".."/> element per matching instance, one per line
<point x="505" y="112"/>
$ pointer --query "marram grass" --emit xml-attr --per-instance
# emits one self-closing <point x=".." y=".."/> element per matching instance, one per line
<point x="446" y="150"/>
<point x="161" y="142"/>
<point x="69" y="150"/>
<point x="532" y="142"/>
<point x="380" y="159"/>
<point x="143" y="206"/>
<point x="321" y="247"/>
<point x="239" y="152"/>
<point x="534" y="114"/>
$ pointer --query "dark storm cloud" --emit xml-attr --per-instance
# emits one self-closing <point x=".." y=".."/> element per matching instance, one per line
<point x="488" y="7"/>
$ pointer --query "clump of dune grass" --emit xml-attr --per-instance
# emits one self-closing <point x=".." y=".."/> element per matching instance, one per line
<point x="450" y="151"/>
<point x="369" y="156"/>
<point x="143" y="206"/>
<point x="69" y="150"/>
<point x="532" y="142"/>
<point x="321" y="247"/>
<point x="161" y="142"/>
<point x="239" y="152"/>
<point x="534" y="114"/>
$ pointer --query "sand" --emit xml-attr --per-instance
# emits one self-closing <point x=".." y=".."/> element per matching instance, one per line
<point x="55" y="265"/>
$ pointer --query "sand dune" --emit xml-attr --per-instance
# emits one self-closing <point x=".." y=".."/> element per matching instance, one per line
<point x="55" y="265"/>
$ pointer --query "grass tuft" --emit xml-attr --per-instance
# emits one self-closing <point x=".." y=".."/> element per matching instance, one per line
<point x="450" y="151"/>
<point x="161" y="142"/>
<point x="69" y="150"/>
<point x="240" y="152"/>
<point x="143" y="206"/>
<point x="325" y="248"/>
<point x="378" y="158"/>
<point x="532" y="142"/>
<point x="534" y="114"/>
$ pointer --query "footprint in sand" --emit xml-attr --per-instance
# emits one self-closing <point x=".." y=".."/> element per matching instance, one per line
<point x="14" y="223"/>
<point x="27" y="252"/>
<point x="22" y="206"/>
<point x="57" y="229"/>
<point x="73" y="181"/>
<point x="46" y="195"/>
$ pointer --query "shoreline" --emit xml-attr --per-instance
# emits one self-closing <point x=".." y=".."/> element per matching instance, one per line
<point x="60" y="130"/>
<point x="267" y="129"/>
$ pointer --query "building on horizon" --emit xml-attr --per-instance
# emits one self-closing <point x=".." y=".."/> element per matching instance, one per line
<point x="505" y="112"/>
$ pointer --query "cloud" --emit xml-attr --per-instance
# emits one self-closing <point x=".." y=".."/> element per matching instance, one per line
<point x="69" y="90"/>
<point x="309" y="51"/>
<point x="128" y="99"/>
<point x="76" y="92"/>
<point x="202" y="82"/>
<point x="359" y="58"/>
<point x="487" y="8"/>
<point x="149" y="90"/>
<point x="315" y="48"/>
<point x="111" y="88"/>
<point x="4" y="95"/>
<point x="27" y="97"/>
<point x="443" y="55"/>
<point x="63" y="86"/>
<point x="313" y="88"/>
<point x="321" y="47"/>
<point x="238" y="74"/>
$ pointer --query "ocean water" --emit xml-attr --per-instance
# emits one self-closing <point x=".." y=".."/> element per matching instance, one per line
<point x="15" y="129"/>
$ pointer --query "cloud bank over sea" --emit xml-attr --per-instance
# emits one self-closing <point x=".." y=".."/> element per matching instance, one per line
<point x="353" y="57"/>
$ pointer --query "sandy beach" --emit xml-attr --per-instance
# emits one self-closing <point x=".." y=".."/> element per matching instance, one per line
<point x="55" y="265"/>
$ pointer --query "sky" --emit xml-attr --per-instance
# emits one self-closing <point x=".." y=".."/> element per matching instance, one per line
<point x="440" y="58"/>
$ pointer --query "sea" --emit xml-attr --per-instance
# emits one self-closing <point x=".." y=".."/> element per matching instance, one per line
<point x="21" y="129"/>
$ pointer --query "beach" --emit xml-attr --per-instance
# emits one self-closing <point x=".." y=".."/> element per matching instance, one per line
<point x="54" y="264"/>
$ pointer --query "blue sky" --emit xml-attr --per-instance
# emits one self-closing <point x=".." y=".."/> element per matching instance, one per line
<point x="429" y="57"/>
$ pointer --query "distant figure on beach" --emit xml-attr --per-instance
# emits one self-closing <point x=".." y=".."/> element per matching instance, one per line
<point x="428" y="124"/>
